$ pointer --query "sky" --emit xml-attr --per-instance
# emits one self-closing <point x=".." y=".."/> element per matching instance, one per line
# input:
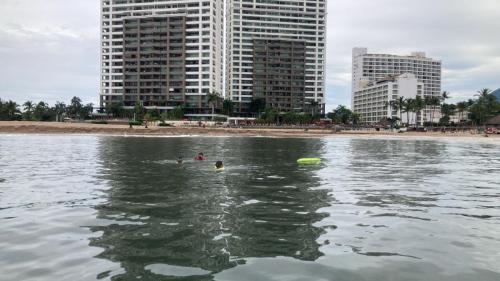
<point x="49" y="49"/>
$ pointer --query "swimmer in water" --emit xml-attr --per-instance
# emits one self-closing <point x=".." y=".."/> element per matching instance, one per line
<point x="219" y="165"/>
<point x="180" y="160"/>
<point x="200" y="157"/>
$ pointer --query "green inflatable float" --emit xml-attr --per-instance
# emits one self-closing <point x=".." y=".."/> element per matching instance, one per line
<point x="309" y="161"/>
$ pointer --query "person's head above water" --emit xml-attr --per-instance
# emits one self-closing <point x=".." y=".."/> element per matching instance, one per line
<point x="200" y="156"/>
<point x="179" y="160"/>
<point x="219" y="165"/>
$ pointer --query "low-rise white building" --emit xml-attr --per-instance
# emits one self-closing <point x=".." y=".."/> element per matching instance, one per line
<point x="372" y="101"/>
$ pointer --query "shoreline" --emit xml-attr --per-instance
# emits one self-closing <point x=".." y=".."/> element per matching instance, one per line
<point x="25" y="127"/>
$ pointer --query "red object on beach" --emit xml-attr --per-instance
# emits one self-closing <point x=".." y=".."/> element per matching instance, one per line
<point x="491" y="131"/>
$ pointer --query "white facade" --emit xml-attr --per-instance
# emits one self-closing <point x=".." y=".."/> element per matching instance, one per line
<point x="289" y="20"/>
<point x="374" y="67"/>
<point x="204" y="47"/>
<point x="372" y="102"/>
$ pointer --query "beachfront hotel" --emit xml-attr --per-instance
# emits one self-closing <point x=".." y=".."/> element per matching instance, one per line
<point x="372" y="102"/>
<point x="369" y="69"/>
<point x="162" y="53"/>
<point x="276" y="51"/>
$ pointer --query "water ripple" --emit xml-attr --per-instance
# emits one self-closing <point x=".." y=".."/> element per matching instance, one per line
<point x="112" y="208"/>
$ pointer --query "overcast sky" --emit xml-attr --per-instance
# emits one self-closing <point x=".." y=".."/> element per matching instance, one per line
<point x="49" y="49"/>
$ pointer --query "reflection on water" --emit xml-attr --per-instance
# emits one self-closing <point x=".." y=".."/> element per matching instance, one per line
<point x="263" y="205"/>
<point x="113" y="208"/>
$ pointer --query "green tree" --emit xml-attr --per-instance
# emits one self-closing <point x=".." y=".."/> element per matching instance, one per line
<point x="484" y="107"/>
<point x="28" y="110"/>
<point x="75" y="107"/>
<point x="139" y="111"/>
<point x="42" y="112"/>
<point x="270" y="115"/>
<point x="399" y="104"/>
<point x="342" y="115"/>
<point x="461" y="108"/>
<point x="86" y="111"/>
<point x="484" y="92"/>
<point x="257" y="105"/>
<point x="407" y="107"/>
<point x="392" y="122"/>
<point x="153" y="114"/>
<point x="392" y="105"/>
<point x="115" y="109"/>
<point x="314" y="107"/>
<point x="175" y="114"/>
<point x="9" y="110"/>
<point x="355" y="118"/>
<point x="444" y="96"/>
<point x="304" y="119"/>
<point x="418" y="106"/>
<point x="212" y="99"/>
<point x="434" y="102"/>
<point x="228" y="107"/>
<point x="446" y="111"/>
<point x="60" y="109"/>
<point x="291" y="117"/>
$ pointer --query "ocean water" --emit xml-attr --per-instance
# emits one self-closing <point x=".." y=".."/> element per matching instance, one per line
<point x="120" y="208"/>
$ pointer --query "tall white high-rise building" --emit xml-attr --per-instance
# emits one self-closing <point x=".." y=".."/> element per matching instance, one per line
<point x="368" y="68"/>
<point x="161" y="52"/>
<point x="272" y="34"/>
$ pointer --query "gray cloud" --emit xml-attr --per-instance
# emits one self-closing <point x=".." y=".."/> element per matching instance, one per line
<point x="49" y="50"/>
<point x="461" y="33"/>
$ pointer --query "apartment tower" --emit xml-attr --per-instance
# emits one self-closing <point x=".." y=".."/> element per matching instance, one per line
<point x="161" y="53"/>
<point x="276" y="51"/>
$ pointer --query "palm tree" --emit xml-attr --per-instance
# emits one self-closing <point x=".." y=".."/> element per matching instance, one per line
<point x="87" y="110"/>
<point x="75" y="107"/>
<point x="228" y="107"/>
<point x="434" y="101"/>
<point x="418" y="106"/>
<point x="461" y="108"/>
<point x="11" y="108"/>
<point x="355" y="117"/>
<point x="212" y="99"/>
<point x="484" y="92"/>
<point x="60" y="109"/>
<point x="428" y="103"/>
<point x="314" y="106"/>
<point x="40" y="113"/>
<point x="447" y="110"/>
<point x="444" y="96"/>
<point x="257" y="105"/>
<point x="485" y="105"/>
<point x="392" y="105"/>
<point x="407" y="107"/>
<point x="28" y="109"/>
<point x="400" y="103"/>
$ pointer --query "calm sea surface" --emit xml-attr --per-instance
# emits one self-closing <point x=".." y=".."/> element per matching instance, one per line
<point x="116" y="208"/>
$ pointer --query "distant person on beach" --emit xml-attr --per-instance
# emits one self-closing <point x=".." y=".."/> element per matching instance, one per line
<point x="219" y="165"/>
<point x="200" y="157"/>
<point x="180" y="161"/>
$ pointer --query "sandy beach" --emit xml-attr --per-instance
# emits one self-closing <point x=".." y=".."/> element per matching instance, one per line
<point x="24" y="127"/>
